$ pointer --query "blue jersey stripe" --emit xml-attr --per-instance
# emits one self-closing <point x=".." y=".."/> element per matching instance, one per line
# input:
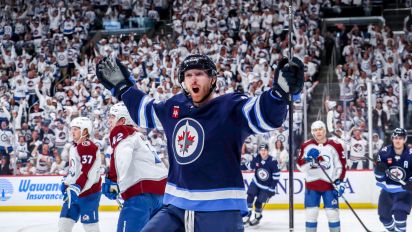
<point x="261" y="121"/>
<point x="203" y="190"/>
<point x="206" y="205"/>
<point x="149" y="115"/>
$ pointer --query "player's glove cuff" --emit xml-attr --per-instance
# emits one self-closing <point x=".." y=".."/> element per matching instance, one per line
<point x="110" y="189"/>
<point x="339" y="188"/>
<point x="407" y="186"/>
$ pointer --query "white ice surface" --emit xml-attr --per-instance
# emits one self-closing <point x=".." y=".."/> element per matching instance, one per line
<point x="273" y="220"/>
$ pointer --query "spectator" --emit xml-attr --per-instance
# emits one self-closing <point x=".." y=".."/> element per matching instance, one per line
<point x="22" y="151"/>
<point x="43" y="159"/>
<point x="7" y="139"/>
<point x="30" y="169"/>
<point x="58" y="166"/>
<point x="281" y="155"/>
<point x="379" y="120"/>
<point x="5" y="168"/>
<point x="358" y="148"/>
<point x="377" y="144"/>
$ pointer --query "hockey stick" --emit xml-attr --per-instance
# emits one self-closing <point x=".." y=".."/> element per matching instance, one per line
<point x="113" y="189"/>
<point x="291" y="161"/>
<point x="119" y="202"/>
<point x="343" y="197"/>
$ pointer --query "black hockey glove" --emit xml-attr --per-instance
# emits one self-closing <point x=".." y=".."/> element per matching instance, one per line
<point x="380" y="171"/>
<point x="408" y="186"/>
<point x="288" y="79"/>
<point x="381" y="167"/>
<point x="269" y="193"/>
<point x="114" y="76"/>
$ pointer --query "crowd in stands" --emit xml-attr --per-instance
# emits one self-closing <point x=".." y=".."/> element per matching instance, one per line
<point x="47" y="78"/>
<point x="372" y="54"/>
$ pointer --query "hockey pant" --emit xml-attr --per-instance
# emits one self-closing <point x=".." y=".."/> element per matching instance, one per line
<point x="85" y="207"/>
<point x="261" y="196"/>
<point x="173" y="219"/>
<point x="312" y="203"/>
<point x="137" y="211"/>
<point x="393" y="209"/>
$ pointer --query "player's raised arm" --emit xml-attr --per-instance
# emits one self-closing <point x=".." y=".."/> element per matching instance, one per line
<point x="266" y="112"/>
<point x="115" y="77"/>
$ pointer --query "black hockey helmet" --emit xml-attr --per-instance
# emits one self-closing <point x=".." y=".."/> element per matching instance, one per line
<point x="399" y="132"/>
<point x="197" y="61"/>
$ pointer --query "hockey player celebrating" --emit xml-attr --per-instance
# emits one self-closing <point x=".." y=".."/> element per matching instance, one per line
<point x="328" y="153"/>
<point x="81" y="187"/>
<point x="394" y="176"/>
<point x="136" y="172"/>
<point x="263" y="183"/>
<point x="204" y="135"/>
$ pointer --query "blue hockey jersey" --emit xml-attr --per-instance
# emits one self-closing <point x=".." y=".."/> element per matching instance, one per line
<point x="398" y="166"/>
<point x="204" y="144"/>
<point x="267" y="172"/>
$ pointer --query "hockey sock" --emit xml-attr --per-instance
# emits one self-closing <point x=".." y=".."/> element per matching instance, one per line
<point x="66" y="224"/>
<point x="333" y="218"/>
<point x="400" y="221"/>
<point x="388" y="223"/>
<point x="258" y="206"/>
<point x="311" y="219"/>
<point x="249" y="200"/>
<point x="91" y="227"/>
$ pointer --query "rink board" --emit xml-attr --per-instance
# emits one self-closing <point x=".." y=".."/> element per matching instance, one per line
<point x="42" y="193"/>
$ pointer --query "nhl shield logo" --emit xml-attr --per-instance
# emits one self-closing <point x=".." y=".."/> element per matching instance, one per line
<point x="188" y="141"/>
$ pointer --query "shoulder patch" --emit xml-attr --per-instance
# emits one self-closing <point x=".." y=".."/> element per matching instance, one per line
<point x="87" y="147"/>
<point x="86" y="143"/>
<point x="119" y="133"/>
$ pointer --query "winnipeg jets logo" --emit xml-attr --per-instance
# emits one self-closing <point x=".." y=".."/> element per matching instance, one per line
<point x="262" y="174"/>
<point x="357" y="148"/>
<point x="188" y="141"/>
<point x="281" y="137"/>
<point x="62" y="135"/>
<point x="397" y="173"/>
<point x="5" y="138"/>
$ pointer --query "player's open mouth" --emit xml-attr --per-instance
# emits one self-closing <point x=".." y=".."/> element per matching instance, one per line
<point x="195" y="89"/>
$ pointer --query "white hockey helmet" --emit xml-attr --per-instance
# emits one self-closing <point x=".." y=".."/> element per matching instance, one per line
<point x="82" y="123"/>
<point x="119" y="110"/>
<point x="317" y="125"/>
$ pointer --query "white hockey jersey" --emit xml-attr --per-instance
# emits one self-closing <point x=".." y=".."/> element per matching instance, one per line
<point x="84" y="167"/>
<point x="332" y="159"/>
<point x="6" y="138"/>
<point x="134" y="164"/>
<point x="357" y="149"/>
